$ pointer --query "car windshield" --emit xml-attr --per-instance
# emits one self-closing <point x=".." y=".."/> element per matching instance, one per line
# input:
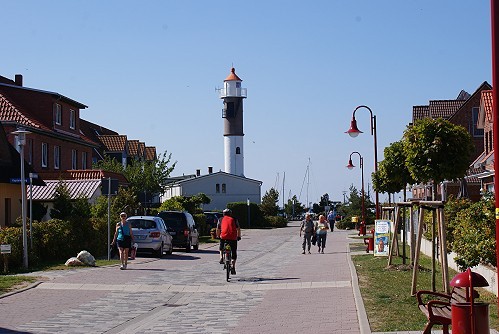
<point x="174" y="220"/>
<point x="142" y="223"/>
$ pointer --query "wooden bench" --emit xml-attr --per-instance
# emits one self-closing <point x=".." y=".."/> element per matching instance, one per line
<point x="437" y="306"/>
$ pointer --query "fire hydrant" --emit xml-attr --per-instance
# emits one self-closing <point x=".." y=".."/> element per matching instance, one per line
<point x="469" y="317"/>
<point x="369" y="242"/>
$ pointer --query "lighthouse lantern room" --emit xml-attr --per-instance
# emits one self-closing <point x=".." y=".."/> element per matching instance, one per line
<point x="233" y="94"/>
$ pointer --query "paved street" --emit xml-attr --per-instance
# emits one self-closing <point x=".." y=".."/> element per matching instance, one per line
<point x="276" y="290"/>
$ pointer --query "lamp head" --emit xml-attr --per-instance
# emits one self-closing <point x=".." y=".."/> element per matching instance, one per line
<point x="354" y="130"/>
<point x="350" y="164"/>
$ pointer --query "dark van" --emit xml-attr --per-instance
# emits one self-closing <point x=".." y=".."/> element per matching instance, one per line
<point x="182" y="228"/>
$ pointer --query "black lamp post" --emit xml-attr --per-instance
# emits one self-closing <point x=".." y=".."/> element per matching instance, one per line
<point x="351" y="166"/>
<point x="354" y="132"/>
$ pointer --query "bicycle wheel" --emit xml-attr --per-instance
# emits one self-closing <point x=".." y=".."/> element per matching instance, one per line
<point x="227" y="270"/>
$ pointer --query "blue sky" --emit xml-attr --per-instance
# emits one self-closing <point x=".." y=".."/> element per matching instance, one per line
<point x="149" y="69"/>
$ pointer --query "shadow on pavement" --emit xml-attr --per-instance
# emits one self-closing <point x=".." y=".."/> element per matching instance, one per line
<point x="263" y="279"/>
<point x="5" y="330"/>
<point x="181" y="257"/>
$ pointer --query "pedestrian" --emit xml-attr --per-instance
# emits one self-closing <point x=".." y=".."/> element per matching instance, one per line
<point x="307" y="229"/>
<point x="331" y="219"/>
<point x="123" y="237"/>
<point x="321" y="231"/>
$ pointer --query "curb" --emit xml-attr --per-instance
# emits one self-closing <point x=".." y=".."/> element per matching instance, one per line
<point x="29" y="287"/>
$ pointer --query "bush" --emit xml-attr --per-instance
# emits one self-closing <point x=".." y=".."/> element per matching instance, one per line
<point x="474" y="235"/>
<point x="240" y="212"/>
<point x="345" y="224"/>
<point x="202" y="226"/>
<point x="276" y="221"/>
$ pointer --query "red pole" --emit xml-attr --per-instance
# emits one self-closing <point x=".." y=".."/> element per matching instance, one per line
<point x="495" y="104"/>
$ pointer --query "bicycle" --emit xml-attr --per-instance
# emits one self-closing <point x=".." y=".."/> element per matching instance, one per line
<point x="227" y="260"/>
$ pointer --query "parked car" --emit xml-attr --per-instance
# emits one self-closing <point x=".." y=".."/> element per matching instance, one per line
<point x="212" y="219"/>
<point x="151" y="235"/>
<point x="181" y="226"/>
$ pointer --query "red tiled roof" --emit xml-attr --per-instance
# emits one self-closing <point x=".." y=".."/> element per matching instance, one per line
<point x="486" y="102"/>
<point x="141" y="150"/>
<point x="114" y="143"/>
<point x="83" y="174"/>
<point x="420" y="112"/>
<point x="232" y="76"/>
<point x="9" y="112"/>
<point x="444" y="108"/>
<point x="150" y="154"/>
<point x="133" y="147"/>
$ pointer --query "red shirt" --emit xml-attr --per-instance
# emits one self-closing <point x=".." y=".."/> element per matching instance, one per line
<point x="228" y="228"/>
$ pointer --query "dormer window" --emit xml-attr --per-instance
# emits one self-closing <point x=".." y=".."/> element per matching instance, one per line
<point x="72" y="119"/>
<point x="58" y="113"/>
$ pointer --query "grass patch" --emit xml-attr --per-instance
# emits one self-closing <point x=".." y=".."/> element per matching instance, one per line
<point x="10" y="283"/>
<point x="387" y="292"/>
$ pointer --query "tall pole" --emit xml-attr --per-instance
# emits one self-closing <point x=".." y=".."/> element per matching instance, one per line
<point x="109" y="219"/>
<point x="354" y="132"/>
<point x="351" y="166"/>
<point x="495" y="104"/>
<point x="31" y="210"/>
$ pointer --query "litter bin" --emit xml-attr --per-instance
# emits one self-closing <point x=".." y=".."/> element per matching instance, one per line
<point x="362" y="229"/>
<point x="369" y="241"/>
<point x="355" y="220"/>
<point x="469" y="317"/>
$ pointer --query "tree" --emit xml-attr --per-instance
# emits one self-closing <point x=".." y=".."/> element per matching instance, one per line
<point x="324" y="202"/>
<point x="294" y="208"/>
<point x="191" y="204"/>
<point x="392" y="175"/>
<point x="63" y="208"/>
<point x="269" y="202"/>
<point x="144" y="176"/>
<point x="437" y="150"/>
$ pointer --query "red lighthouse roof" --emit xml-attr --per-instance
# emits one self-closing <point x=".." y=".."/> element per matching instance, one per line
<point x="233" y="76"/>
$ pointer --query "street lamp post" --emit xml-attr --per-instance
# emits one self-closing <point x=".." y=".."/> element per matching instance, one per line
<point x="21" y="140"/>
<point x="351" y="166"/>
<point x="354" y="132"/>
<point x="249" y="222"/>
<point x="31" y="177"/>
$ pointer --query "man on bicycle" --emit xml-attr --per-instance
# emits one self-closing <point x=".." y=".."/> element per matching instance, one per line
<point x="229" y="232"/>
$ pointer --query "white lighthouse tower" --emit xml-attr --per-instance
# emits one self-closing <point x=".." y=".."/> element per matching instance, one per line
<point x="233" y="94"/>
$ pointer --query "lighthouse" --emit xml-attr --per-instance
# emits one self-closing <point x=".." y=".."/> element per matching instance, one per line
<point x="232" y="95"/>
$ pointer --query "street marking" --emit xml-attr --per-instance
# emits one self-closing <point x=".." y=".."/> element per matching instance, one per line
<point x="195" y="288"/>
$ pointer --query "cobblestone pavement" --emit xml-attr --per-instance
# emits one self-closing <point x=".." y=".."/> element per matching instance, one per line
<point x="276" y="290"/>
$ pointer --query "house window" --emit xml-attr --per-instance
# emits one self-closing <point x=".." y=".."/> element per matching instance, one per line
<point x="72" y="119"/>
<point x="58" y="114"/>
<point x="8" y="211"/>
<point x="476" y="132"/>
<point x="224" y="190"/>
<point x="45" y="153"/>
<point x="217" y="188"/>
<point x="74" y="159"/>
<point x="84" y="160"/>
<point x="238" y="150"/>
<point x="57" y="157"/>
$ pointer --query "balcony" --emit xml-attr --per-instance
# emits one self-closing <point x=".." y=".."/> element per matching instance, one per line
<point x="233" y="92"/>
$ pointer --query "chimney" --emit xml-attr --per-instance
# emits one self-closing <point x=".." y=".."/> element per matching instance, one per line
<point x="19" y="80"/>
<point x="198" y="172"/>
<point x="210" y="170"/>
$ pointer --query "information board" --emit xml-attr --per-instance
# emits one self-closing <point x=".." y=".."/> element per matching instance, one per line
<point x="382" y="237"/>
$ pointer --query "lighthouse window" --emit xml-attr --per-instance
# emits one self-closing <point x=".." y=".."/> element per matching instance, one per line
<point x="230" y="109"/>
<point x="238" y="150"/>
<point x="217" y="188"/>
<point x="238" y="85"/>
<point x="224" y="190"/>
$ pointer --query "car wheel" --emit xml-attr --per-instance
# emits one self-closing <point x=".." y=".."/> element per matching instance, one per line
<point x="159" y="252"/>
<point x="188" y="246"/>
<point x="170" y="250"/>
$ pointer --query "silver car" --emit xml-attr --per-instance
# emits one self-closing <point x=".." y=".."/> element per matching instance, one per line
<point x="150" y="234"/>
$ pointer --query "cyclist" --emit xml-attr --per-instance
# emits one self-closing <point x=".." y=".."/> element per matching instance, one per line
<point x="229" y="232"/>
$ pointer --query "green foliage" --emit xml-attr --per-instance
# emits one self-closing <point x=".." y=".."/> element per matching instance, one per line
<point x="474" y="235"/>
<point x="191" y="204"/>
<point x="39" y="210"/>
<point x="295" y="206"/>
<point x="451" y="209"/>
<point x="392" y="175"/>
<point x="345" y="224"/>
<point x="240" y="212"/>
<point x="125" y="201"/>
<point x="202" y="227"/>
<point x="269" y="203"/>
<point x="276" y="221"/>
<point x="149" y="176"/>
<point x="437" y="150"/>
<point x="63" y="208"/>
<point x="354" y="207"/>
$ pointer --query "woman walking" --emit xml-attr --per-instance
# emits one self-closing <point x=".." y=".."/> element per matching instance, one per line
<point x="124" y="237"/>
<point x="321" y="230"/>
